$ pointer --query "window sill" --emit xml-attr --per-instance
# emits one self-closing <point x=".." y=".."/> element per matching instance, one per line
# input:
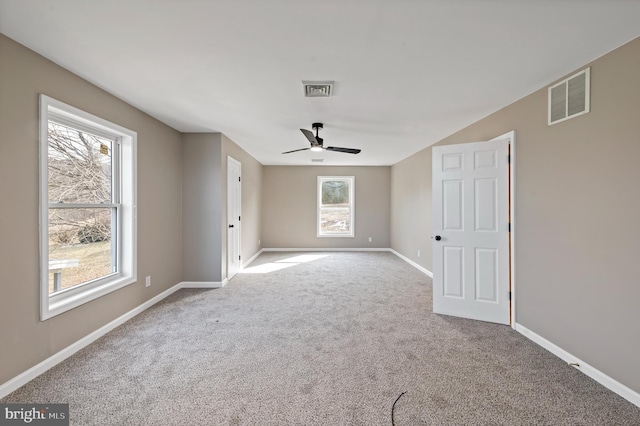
<point x="64" y="303"/>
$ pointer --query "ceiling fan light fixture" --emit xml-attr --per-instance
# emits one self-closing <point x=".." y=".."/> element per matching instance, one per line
<point x="316" y="148"/>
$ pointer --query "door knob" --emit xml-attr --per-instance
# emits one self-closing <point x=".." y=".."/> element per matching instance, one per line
<point x="230" y="226"/>
<point x="438" y="237"/>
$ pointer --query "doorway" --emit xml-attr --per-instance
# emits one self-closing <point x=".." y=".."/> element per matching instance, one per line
<point x="234" y="216"/>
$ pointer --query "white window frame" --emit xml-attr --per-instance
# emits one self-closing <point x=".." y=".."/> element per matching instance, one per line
<point x="352" y="207"/>
<point x="126" y="235"/>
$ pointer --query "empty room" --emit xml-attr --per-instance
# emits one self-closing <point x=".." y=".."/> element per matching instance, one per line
<point x="319" y="213"/>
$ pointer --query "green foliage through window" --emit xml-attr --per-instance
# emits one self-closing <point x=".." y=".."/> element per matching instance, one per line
<point x="335" y="192"/>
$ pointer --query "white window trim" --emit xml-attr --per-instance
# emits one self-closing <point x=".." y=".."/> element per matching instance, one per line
<point x="352" y="199"/>
<point x="51" y="306"/>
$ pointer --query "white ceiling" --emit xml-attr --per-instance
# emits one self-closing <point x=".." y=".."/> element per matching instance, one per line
<point x="407" y="72"/>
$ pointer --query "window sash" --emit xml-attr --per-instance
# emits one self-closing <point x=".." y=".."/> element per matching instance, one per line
<point x="114" y="205"/>
<point x="116" y="217"/>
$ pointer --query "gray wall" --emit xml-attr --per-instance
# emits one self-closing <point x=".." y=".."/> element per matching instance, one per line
<point x="289" y="208"/>
<point x="26" y="340"/>
<point x="577" y="210"/>
<point x="204" y="203"/>
<point x="411" y="208"/>
<point x="202" y="207"/>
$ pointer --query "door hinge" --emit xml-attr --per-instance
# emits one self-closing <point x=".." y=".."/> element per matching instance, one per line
<point x="509" y="296"/>
<point x="238" y="178"/>
<point x="509" y="226"/>
<point x="238" y="218"/>
<point x="508" y="158"/>
<point x="239" y="257"/>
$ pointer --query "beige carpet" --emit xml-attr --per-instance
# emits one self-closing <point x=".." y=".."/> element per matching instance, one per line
<point x="320" y="339"/>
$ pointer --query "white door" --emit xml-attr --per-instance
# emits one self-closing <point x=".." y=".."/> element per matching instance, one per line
<point x="233" y="216"/>
<point x="471" y="231"/>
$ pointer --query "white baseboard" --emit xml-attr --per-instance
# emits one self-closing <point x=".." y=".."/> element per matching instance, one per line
<point x="204" y="284"/>
<point x="52" y="361"/>
<point x="412" y="263"/>
<point x="23" y="378"/>
<point x="597" y="375"/>
<point x="324" y="249"/>
<point x="406" y="259"/>
<point x="251" y="259"/>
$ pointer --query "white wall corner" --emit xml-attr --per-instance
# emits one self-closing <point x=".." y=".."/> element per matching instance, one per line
<point x="597" y="375"/>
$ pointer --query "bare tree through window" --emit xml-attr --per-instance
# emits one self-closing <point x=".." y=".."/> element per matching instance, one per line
<point x="80" y="193"/>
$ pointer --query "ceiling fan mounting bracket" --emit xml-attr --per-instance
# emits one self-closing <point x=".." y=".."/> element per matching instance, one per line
<point x="317" y="126"/>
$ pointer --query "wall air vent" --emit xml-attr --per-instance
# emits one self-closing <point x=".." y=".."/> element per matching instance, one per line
<point x="570" y="97"/>
<point x="318" y="89"/>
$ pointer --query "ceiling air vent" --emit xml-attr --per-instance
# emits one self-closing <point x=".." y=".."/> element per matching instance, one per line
<point x="569" y="98"/>
<point x="318" y="89"/>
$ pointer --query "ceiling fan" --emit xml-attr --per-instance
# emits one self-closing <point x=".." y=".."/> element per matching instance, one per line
<point x="316" y="142"/>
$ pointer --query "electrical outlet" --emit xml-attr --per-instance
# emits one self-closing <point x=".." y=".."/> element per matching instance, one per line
<point x="148" y="281"/>
<point x="418" y="253"/>
<point x="370" y="239"/>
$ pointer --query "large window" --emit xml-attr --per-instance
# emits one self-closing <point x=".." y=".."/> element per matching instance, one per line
<point x="87" y="207"/>
<point x="336" y="206"/>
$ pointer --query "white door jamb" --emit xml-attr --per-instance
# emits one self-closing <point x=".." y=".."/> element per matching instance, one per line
<point x="511" y="136"/>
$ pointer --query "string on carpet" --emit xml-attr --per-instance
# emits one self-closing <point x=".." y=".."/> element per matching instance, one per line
<point x="393" y="407"/>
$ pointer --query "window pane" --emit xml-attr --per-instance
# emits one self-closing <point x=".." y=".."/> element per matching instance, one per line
<point x="80" y="246"/>
<point x="335" y="219"/>
<point x="335" y="192"/>
<point x="79" y="165"/>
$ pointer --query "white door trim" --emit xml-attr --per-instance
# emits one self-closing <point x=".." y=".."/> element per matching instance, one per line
<point x="511" y="136"/>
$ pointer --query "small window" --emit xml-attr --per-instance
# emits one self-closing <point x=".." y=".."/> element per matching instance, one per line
<point x="336" y="206"/>
<point x="87" y="207"/>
